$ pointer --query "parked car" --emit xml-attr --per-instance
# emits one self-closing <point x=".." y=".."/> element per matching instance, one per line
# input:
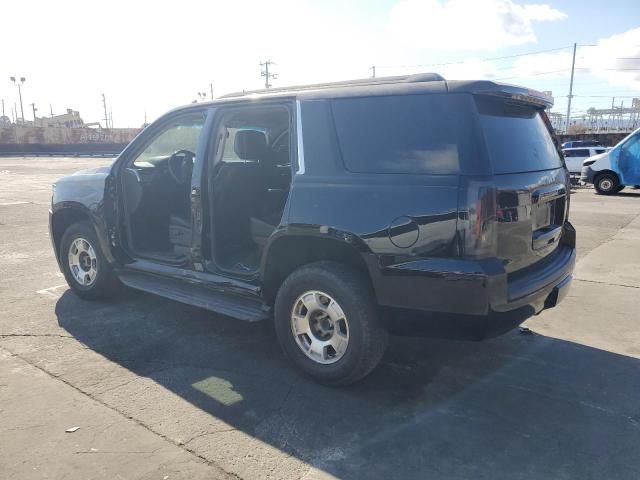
<point x="574" y="158"/>
<point x="331" y="209"/>
<point x="616" y="168"/>
<point x="581" y="143"/>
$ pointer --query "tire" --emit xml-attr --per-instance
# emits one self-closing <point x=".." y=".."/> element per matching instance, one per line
<point x="359" y="335"/>
<point x="80" y="245"/>
<point x="606" y="184"/>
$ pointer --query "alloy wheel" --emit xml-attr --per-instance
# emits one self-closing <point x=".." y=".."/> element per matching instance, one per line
<point x="320" y="327"/>
<point x="83" y="262"/>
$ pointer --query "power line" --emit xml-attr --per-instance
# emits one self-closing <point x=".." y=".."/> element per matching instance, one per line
<point x="537" y="74"/>
<point x="488" y="59"/>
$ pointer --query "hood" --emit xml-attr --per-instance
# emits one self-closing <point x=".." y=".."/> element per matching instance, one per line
<point x="88" y="175"/>
<point x="595" y="158"/>
<point x="93" y="171"/>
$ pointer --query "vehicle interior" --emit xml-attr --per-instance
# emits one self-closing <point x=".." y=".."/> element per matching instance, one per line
<point x="156" y="186"/>
<point x="249" y="183"/>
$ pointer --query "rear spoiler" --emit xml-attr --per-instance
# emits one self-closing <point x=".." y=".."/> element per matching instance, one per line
<point x="520" y="95"/>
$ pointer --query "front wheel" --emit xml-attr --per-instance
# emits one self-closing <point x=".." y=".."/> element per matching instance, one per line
<point x="606" y="184"/>
<point x="84" y="265"/>
<point x="327" y="323"/>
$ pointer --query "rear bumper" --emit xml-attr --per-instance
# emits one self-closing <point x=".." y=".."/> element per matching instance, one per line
<point x="480" y="293"/>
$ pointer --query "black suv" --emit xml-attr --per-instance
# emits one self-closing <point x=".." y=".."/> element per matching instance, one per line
<point x="337" y="210"/>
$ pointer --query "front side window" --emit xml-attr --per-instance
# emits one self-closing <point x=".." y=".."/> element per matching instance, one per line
<point x="182" y="134"/>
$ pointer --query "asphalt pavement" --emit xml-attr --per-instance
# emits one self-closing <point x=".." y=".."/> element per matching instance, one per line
<point x="161" y="390"/>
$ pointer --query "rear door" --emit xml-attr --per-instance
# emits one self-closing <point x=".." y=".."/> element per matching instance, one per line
<point x="532" y="184"/>
<point x="574" y="157"/>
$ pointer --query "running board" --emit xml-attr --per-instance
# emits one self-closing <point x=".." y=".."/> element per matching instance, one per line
<point x="231" y="304"/>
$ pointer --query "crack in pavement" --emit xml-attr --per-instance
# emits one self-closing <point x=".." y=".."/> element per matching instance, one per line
<point x="124" y="415"/>
<point x="606" y="283"/>
<point x="59" y="335"/>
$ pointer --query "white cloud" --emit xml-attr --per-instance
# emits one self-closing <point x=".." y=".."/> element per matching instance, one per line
<point x="614" y="59"/>
<point x="542" y="13"/>
<point x="460" y="24"/>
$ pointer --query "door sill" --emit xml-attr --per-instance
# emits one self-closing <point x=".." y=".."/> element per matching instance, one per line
<point x="216" y="294"/>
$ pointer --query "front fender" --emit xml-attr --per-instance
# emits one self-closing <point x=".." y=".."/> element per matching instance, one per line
<point x="64" y="214"/>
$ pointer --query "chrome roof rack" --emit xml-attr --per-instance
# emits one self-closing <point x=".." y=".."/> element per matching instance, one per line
<point x="419" y="77"/>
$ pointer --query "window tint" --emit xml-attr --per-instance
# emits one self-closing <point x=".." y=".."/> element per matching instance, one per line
<point x="420" y="134"/>
<point x="569" y="153"/>
<point x="183" y="134"/>
<point x="599" y="150"/>
<point x="583" y="152"/>
<point x="517" y="138"/>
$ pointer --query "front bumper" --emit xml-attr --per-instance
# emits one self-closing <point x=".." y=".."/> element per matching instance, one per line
<point x="53" y="240"/>
<point x="587" y="174"/>
<point x="478" y="293"/>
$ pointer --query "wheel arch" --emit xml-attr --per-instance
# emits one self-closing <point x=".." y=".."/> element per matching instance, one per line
<point x="65" y="216"/>
<point x="599" y="173"/>
<point x="289" y="252"/>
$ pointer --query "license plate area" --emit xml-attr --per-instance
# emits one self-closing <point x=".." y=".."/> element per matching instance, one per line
<point x="542" y="215"/>
<point x="547" y="217"/>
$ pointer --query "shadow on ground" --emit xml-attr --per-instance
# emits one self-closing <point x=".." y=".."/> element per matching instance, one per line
<point x="513" y="407"/>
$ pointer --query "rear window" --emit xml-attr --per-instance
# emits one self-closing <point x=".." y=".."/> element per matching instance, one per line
<point x="419" y="134"/>
<point x="517" y="138"/>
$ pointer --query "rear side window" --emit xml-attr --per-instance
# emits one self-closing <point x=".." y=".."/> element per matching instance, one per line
<point x="419" y="134"/>
<point x="599" y="150"/>
<point x="583" y="152"/>
<point x="517" y="138"/>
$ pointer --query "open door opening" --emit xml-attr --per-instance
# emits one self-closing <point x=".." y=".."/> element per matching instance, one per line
<point x="250" y="182"/>
<point x="156" y="185"/>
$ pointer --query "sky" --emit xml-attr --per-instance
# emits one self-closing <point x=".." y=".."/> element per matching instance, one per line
<point x="148" y="57"/>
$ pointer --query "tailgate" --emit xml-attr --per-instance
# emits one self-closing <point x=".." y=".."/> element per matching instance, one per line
<point x="531" y="181"/>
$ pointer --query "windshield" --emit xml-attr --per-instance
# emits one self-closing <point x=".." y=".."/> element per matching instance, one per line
<point x="516" y="136"/>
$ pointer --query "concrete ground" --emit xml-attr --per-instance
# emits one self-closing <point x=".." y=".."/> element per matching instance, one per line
<point x="161" y="390"/>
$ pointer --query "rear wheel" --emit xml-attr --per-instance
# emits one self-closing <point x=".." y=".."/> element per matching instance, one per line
<point x="606" y="184"/>
<point x="327" y="323"/>
<point x="84" y="265"/>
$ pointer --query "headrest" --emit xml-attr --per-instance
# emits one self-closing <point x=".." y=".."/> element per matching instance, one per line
<point x="250" y="144"/>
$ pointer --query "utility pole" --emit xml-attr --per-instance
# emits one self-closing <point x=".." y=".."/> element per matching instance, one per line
<point x="33" y="107"/>
<point x="106" y="117"/>
<point x="211" y="88"/>
<point x="19" y="84"/>
<point x="373" y="71"/>
<point x="573" y="67"/>
<point x="266" y="74"/>
<point x="3" y="109"/>
<point x="51" y="109"/>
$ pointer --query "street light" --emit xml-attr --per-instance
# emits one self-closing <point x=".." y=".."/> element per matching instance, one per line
<point x="19" y="85"/>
